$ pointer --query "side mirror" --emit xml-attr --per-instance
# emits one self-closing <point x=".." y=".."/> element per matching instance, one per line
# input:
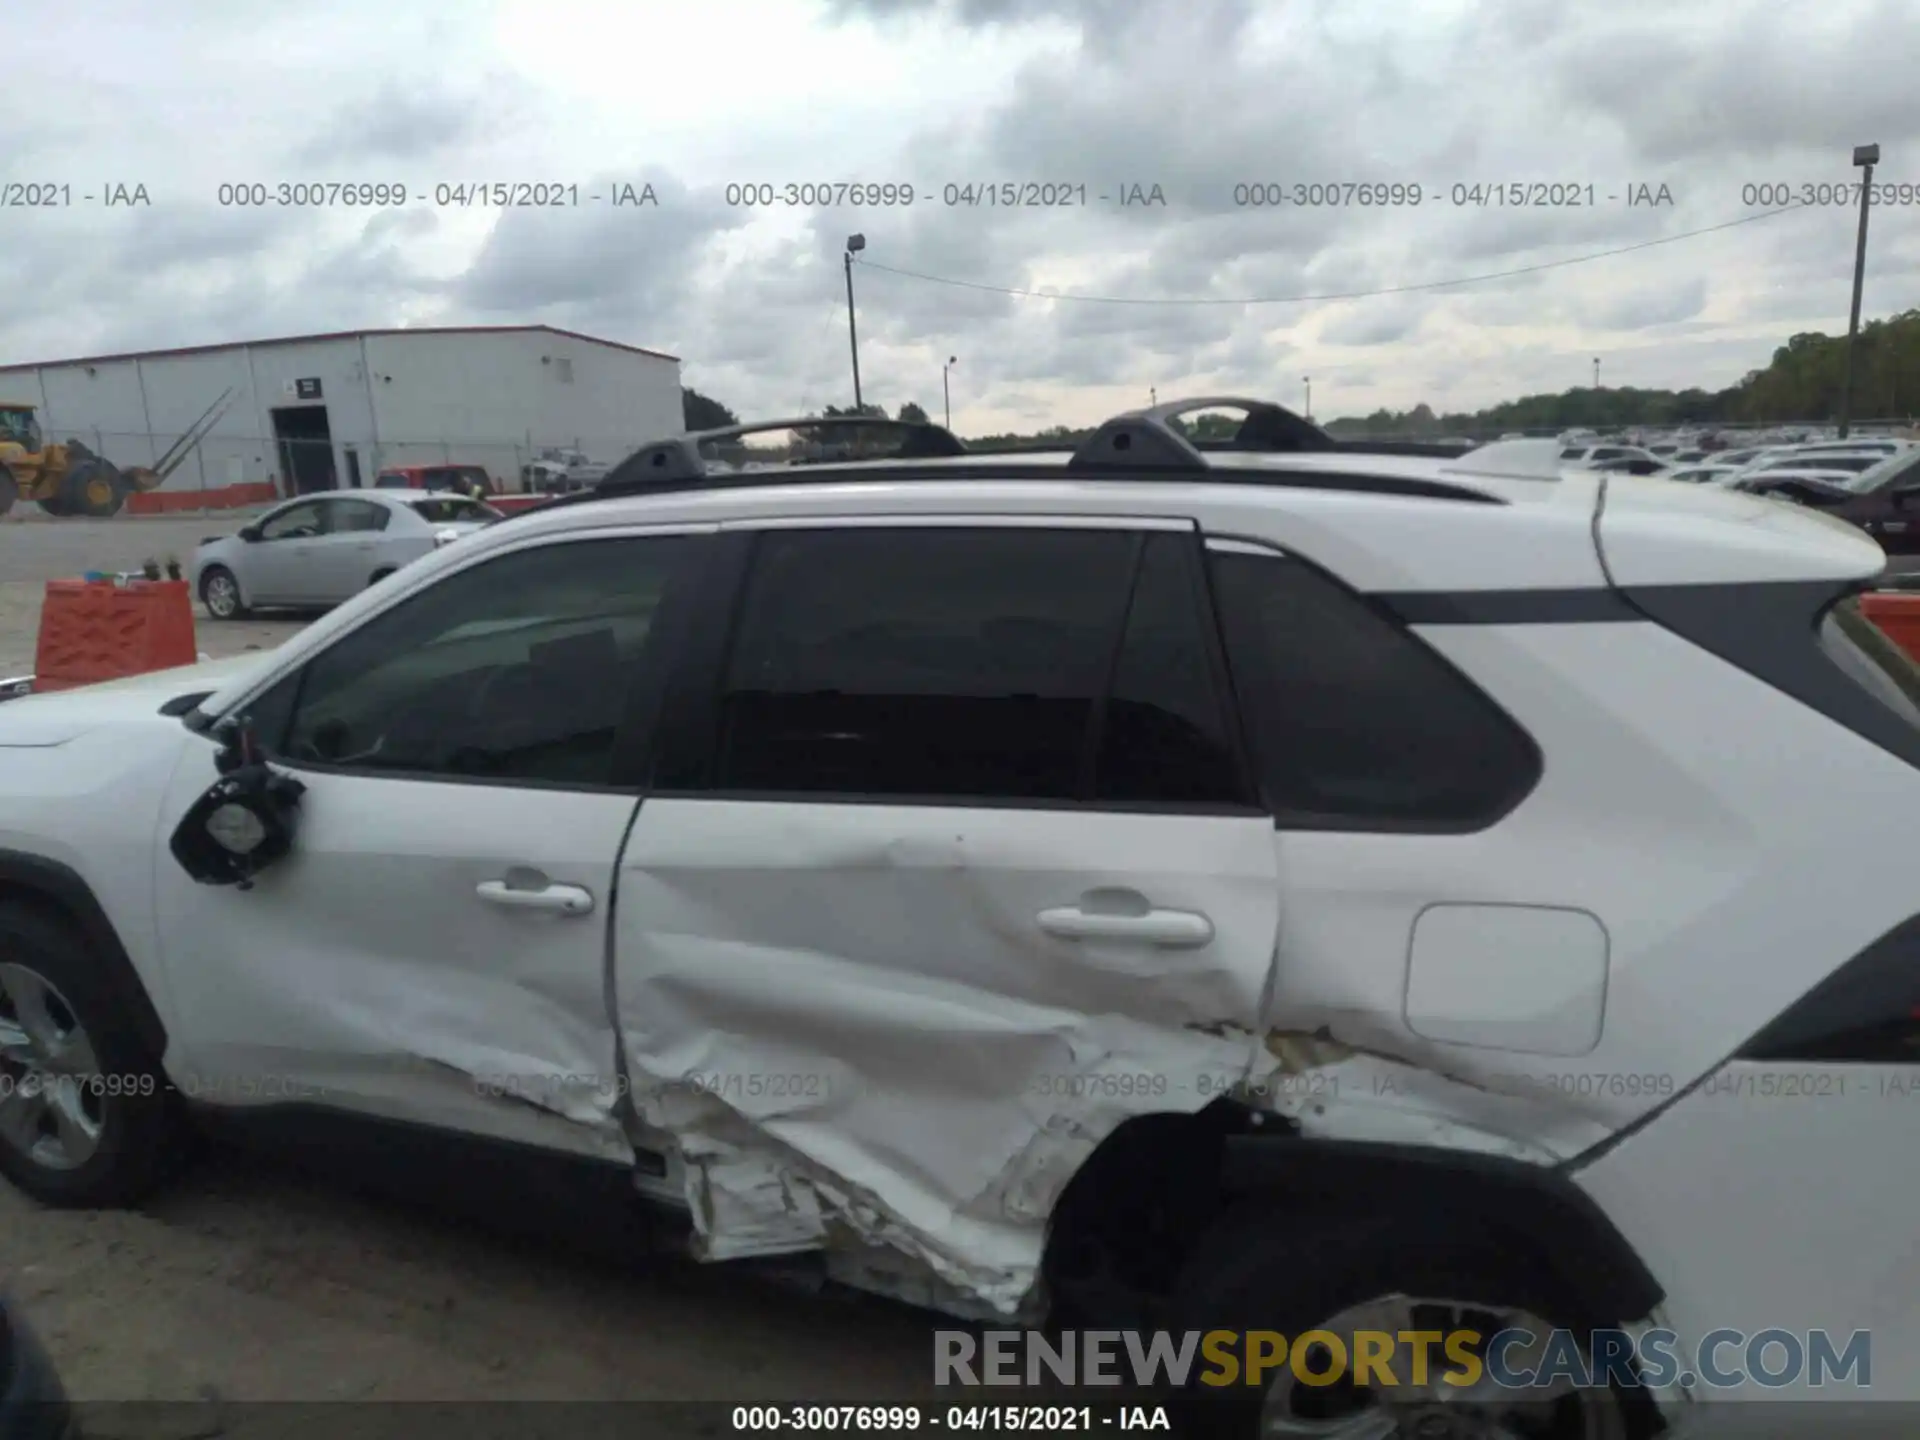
<point x="249" y="533"/>
<point x="244" y="821"/>
<point x="444" y="537"/>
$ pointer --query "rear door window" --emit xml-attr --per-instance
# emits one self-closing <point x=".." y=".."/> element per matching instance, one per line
<point x="958" y="665"/>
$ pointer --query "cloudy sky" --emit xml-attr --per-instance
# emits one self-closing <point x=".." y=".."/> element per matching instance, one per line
<point x="1196" y="97"/>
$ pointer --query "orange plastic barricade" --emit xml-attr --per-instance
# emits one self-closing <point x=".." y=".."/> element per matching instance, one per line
<point x="94" y="630"/>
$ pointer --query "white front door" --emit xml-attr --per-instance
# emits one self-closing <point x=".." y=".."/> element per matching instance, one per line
<point x="949" y="868"/>
<point x="434" y="948"/>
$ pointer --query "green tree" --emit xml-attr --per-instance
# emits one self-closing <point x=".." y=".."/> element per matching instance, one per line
<point x="700" y="412"/>
<point x="912" y="414"/>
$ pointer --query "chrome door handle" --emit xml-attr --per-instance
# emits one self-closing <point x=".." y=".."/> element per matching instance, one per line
<point x="1173" y="929"/>
<point x="563" y="899"/>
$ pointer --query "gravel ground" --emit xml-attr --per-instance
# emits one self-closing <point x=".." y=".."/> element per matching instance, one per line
<point x="242" y="1282"/>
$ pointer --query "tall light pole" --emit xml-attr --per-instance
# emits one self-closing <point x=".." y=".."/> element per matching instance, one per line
<point x="855" y="244"/>
<point x="1866" y="157"/>
<point x="946" y="394"/>
<point x="1307" y="380"/>
<point x="1596" y="372"/>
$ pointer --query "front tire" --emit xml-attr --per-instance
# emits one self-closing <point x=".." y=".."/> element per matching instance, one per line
<point x="220" y="593"/>
<point x="85" y="1111"/>
<point x="1258" y="1270"/>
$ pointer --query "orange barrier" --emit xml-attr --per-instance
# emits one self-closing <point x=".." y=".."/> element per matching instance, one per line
<point x="229" y="497"/>
<point x="94" y="630"/>
<point x="1896" y="614"/>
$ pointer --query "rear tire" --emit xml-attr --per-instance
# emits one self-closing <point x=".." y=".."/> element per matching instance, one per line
<point x="9" y="490"/>
<point x="379" y="575"/>
<point x="220" y="593"/>
<point x="86" y="1115"/>
<point x="1260" y="1270"/>
<point x="52" y="505"/>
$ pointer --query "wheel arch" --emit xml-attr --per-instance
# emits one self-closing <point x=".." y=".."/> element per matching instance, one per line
<point x="1170" y="1175"/>
<point x="1537" y="1210"/>
<point x="60" y="891"/>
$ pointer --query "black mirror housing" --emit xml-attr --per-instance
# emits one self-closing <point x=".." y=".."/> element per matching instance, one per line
<point x="249" y="533"/>
<point x="243" y="822"/>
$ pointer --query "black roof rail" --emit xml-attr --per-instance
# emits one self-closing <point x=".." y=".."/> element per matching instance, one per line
<point x="1145" y="440"/>
<point x="678" y="460"/>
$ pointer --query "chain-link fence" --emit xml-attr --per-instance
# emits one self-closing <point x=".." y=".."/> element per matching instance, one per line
<point x="297" y="464"/>
<point x="1733" y="431"/>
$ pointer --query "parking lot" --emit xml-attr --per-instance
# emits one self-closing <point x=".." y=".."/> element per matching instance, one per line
<point x="245" y="1282"/>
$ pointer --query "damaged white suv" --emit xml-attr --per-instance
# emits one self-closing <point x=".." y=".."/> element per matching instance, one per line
<point x="1186" y="886"/>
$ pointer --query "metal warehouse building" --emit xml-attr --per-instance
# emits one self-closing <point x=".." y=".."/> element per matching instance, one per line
<point x="317" y="412"/>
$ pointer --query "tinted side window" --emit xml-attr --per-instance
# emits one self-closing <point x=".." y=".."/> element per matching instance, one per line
<point x="938" y="663"/>
<point x="1163" y="732"/>
<point x="1354" y="723"/>
<point x="358" y="515"/>
<point x="516" y="669"/>
<point x="294" y="523"/>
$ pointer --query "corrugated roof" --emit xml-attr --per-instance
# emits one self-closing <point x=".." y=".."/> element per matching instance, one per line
<point x="341" y="335"/>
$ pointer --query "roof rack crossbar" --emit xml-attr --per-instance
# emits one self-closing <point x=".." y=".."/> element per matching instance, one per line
<point x="679" y="459"/>
<point x="1147" y="440"/>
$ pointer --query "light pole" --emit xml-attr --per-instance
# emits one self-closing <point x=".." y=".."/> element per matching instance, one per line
<point x="1866" y="157"/>
<point x="1307" y="380"/>
<point x="1596" y="372"/>
<point x="946" y="394"/>
<point x="855" y="244"/>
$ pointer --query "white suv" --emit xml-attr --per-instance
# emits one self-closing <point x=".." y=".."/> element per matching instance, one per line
<point x="1254" y="885"/>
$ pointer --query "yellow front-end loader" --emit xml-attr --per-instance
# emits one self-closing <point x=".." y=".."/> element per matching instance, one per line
<point x="70" y="479"/>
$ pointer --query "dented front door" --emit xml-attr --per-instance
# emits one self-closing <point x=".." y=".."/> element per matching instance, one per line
<point x="952" y="873"/>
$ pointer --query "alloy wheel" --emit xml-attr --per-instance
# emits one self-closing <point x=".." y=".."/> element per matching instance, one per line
<point x="222" y="596"/>
<point x="50" y="1091"/>
<point x="1436" y="1410"/>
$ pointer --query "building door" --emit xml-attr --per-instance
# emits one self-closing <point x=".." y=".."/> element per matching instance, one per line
<point x="353" y="468"/>
<point x="305" y="442"/>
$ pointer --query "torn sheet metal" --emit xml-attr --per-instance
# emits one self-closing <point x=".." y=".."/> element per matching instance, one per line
<point x="861" y="1041"/>
<point x="1332" y="1089"/>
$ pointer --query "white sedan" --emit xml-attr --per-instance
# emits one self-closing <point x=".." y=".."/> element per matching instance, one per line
<point x="323" y="549"/>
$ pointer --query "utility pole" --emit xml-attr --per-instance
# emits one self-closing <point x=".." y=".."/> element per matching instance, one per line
<point x="1307" y="380"/>
<point x="946" y="394"/>
<point x="1596" y="372"/>
<point x="854" y="243"/>
<point x="1866" y="157"/>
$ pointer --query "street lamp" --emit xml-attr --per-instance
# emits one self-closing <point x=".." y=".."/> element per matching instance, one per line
<point x="946" y="395"/>
<point x="1307" y="380"/>
<point x="1866" y="157"/>
<point x="855" y="244"/>
<point x="1596" y="372"/>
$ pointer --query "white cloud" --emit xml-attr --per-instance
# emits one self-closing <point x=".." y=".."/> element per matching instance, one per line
<point x="1195" y="98"/>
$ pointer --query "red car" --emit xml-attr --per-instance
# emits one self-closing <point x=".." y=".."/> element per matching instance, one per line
<point x="465" y="479"/>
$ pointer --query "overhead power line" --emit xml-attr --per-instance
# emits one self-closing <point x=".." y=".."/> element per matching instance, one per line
<point x="1015" y="290"/>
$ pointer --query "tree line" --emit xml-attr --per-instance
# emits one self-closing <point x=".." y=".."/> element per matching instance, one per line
<point x="1801" y="383"/>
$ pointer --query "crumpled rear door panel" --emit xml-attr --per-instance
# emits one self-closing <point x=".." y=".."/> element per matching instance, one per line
<point x="856" y="1032"/>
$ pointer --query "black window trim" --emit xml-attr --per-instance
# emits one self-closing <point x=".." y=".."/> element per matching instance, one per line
<point x="635" y="744"/>
<point x="1322" y="823"/>
<point x="690" y="730"/>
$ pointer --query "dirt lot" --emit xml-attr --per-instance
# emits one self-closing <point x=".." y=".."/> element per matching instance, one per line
<point x="247" y="1283"/>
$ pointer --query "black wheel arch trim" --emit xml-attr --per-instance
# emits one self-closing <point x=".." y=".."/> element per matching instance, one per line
<point x="63" y="888"/>
<point x="1538" y="1204"/>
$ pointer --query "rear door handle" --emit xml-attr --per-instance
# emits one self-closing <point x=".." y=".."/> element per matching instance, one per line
<point x="1172" y="929"/>
<point x="562" y="899"/>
